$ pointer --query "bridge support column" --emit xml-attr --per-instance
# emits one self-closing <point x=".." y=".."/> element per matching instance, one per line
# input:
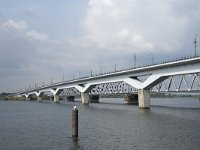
<point x="27" y="97"/>
<point x="50" y="98"/>
<point x="144" y="98"/>
<point x="56" y="98"/>
<point x="85" y="98"/>
<point x="39" y="98"/>
<point x="70" y="98"/>
<point x="131" y="99"/>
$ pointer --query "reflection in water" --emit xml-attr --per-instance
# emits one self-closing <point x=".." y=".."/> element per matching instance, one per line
<point x="75" y="144"/>
<point x="33" y="125"/>
<point x="144" y="111"/>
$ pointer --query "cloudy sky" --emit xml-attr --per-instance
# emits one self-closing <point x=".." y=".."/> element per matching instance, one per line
<point x="42" y="41"/>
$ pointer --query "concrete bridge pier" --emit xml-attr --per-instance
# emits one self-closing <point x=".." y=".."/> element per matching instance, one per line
<point x="27" y="97"/>
<point x="39" y="99"/>
<point x="131" y="99"/>
<point x="50" y="98"/>
<point x="85" y="98"/>
<point x="56" y="93"/>
<point x="144" y="98"/>
<point x="56" y="98"/>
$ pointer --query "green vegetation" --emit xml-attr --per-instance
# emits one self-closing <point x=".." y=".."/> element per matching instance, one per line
<point x="3" y="96"/>
<point x="9" y="96"/>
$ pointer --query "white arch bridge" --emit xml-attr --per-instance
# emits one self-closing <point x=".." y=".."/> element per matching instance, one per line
<point x="176" y="76"/>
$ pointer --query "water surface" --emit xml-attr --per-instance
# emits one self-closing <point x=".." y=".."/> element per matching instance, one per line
<point x="46" y="125"/>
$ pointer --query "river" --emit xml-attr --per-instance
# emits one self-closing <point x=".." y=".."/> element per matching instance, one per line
<point x="170" y="124"/>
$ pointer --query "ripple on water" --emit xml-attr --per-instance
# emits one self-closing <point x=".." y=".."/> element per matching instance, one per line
<point x="33" y="125"/>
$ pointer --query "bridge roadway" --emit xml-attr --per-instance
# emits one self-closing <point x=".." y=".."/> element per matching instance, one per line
<point x="154" y="73"/>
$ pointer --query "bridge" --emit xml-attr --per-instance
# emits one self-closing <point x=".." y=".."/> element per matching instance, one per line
<point x="169" y="76"/>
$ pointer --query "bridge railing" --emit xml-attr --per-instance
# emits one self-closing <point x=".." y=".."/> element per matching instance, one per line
<point x="106" y="73"/>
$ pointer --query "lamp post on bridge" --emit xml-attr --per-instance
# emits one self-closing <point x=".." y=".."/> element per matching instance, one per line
<point x="152" y="58"/>
<point x="91" y="73"/>
<point x="79" y="74"/>
<point x="51" y="81"/>
<point x="101" y="68"/>
<point x="195" y="45"/>
<point x="63" y="77"/>
<point x="134" y="60"/>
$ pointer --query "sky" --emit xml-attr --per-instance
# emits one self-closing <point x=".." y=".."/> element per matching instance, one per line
<point x="44" y="41"/>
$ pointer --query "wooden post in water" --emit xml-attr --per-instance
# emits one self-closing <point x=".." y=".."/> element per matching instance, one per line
<point x="75" y="122"/>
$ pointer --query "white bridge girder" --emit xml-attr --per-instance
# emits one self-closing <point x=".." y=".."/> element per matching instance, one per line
<point x="156" y="74"/>
<point x="180" y="83"/>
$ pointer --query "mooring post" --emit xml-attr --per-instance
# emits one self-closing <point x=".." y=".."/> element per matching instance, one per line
<point x="75" y="122"/>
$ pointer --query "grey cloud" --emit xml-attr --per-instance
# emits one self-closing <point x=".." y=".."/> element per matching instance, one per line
<point x="150" y="25"/>
<point x="30" y="14"/>
<point x="2" y="18"/>
<point x="18" y="53"/>
<point x="112" y="33"/>
<point x="15" y="49"/>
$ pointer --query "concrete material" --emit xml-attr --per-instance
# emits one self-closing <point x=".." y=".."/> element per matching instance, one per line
<point x="56" y="98"/>
<point x="39" y="98"/>
<point x="144" y="98"/>
<point x="154" y="75"/>
<point x="74" y="122"/>
<point x="28" y="99"/>
<point x="50" y="98"/>
<point x="85" y="98"/>
<point x="131" y="99"/>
